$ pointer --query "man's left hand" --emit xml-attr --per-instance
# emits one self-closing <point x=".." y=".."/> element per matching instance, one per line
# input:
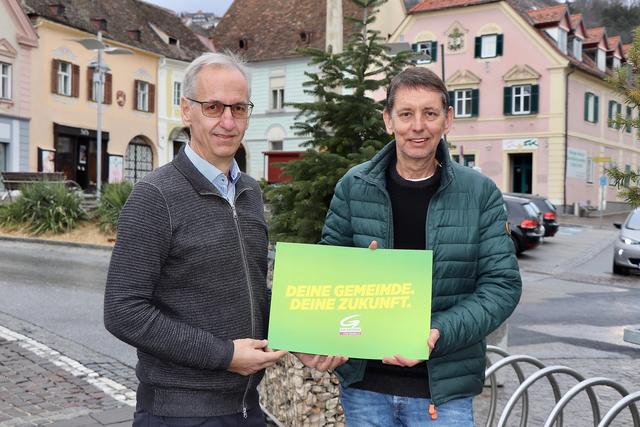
<point x="398" y="360"/>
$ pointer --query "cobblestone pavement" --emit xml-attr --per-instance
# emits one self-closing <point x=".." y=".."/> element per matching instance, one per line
<point x="48" y="380"/>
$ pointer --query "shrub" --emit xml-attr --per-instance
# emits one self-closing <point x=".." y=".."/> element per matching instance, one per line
<point x="44" y="207"/>
<point x="114" y="196"/>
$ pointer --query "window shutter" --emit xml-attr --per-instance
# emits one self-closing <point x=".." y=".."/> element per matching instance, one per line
<point x="75" y="80"/>
<point x="499" y="44"/>
<point x="434" y="51"/>
<point x="627" y="127"/>
<point x="107" y="88"/>
<point x="586" y="106"/>
<point x="90" y="72"/>
<point x="507" y="101"/>
<point x="475" y="102"/>
<point x="414" y="47"/>
<point x="478" y="50"/>
<point x="535" y="96"/>
<point x="152" y="98"/>
<point x="596" y="100"/>
<point x="135" y="94"/>
<point x="54" y="76"/>
<point x="452" y="99"/>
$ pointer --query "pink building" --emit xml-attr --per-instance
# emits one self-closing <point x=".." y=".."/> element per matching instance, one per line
<point x="531" y="105"/>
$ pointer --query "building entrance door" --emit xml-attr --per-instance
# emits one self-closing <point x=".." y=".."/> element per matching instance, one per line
<point x="521" y="172"/>
<point x="76" y="155"/>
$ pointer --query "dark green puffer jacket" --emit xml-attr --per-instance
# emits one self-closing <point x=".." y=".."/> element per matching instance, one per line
<point x="476" y="281"/>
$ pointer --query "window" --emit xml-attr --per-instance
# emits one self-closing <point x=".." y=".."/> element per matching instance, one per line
<point x="590" y="169"/>
<point x="629" y="112"/>
<point x="428" y="51"/>
<point x="93" y="86"/>
<point x="562" y="40"/>
<point x="64" y="78"/>
<point x="615" y="108"/>
<point x="627" y="179"/>
<point x="577" y="48"/>
<point x="275" y="145"/>
<point x="489" y="46"/>
<point x="276" y="85"/>
<point x="465" y="102"/>
<point x="5" y="80"/>
<point x="521" y="99"/>
<point x="177" y="93"/>
<point x="144" y="96"/>
<point x="590" y="107"/>
<point x="601" y="59"/>
<point x="469" y="159"/>
<point x="616" y="62"/>
<point x="99" y="24"/>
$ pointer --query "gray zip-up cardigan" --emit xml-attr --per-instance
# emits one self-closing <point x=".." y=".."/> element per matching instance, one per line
<point x="187" y="277"/>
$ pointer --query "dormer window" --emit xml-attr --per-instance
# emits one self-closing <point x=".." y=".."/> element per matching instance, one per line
<point x="616" y="62"/>
<point x="173" y="41"/>
<point x="134" y="35"/>
<point x="576" y="47"/>
<point x="562" y="40"/>
<point x="99" y="24"/>
<point x="56" y="9"/>
<point x="601" y="60"/>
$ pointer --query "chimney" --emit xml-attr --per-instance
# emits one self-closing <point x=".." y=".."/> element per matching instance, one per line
<point x="334" y="26"/>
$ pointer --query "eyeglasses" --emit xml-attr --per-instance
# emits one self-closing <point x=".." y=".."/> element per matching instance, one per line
<point x="215" y="109"/>
<point x="428" y="115"/>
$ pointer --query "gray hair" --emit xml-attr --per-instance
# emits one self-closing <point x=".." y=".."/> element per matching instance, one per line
<point x="224" y="60"/>
<point x="417" y="77"/>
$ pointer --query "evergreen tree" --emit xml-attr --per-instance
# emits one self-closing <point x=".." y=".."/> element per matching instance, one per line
<point x="343" y="122"/>
<point x="626" y="81"/>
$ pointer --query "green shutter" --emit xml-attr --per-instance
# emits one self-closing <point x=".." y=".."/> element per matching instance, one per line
<point x="586" y="106"/>
<point x="627" y="126"/>
<point x="434" y="51"/>
<point x="507" y="101"/>
<point x="612" y="105"/>
<point x="475" y="102"/>
<point x="452" y="99"/>
<point x="535" y="96"/>
<point x="478" y="50"/>
<point x="596" y="101"/>
<point x="499" y="44"/>
<point x="414" y="47"/>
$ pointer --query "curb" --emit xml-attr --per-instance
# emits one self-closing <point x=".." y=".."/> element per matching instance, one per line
<point x="56" y="243"/>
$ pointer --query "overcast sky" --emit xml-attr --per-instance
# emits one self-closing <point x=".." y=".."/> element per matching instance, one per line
<point x="219" y="7"/>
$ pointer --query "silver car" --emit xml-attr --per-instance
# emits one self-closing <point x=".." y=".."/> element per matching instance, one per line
<point x="626" y="249"/>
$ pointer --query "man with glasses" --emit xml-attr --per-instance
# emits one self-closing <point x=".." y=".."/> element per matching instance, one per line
<point x="187" y="280"/>
<point x="412" y="196"/>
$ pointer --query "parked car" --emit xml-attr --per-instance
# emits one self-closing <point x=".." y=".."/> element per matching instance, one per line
<point x="524" y="222"/>
<point x="626" y="249"/>
<point x="549" y="214"/>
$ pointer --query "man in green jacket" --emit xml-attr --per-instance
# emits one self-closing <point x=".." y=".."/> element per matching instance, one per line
<point x="412" y="196"/>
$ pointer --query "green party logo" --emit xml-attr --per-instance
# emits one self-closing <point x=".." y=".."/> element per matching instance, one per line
<point x="350" y="325"/>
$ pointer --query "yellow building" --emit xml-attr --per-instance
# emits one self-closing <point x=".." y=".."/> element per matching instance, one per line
<point x="64" y="126"/>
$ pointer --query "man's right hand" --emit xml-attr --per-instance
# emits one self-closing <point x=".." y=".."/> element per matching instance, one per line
<point x="251" y="356"/>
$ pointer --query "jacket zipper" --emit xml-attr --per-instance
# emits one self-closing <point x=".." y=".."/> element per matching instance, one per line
<point x="251" y="303"/>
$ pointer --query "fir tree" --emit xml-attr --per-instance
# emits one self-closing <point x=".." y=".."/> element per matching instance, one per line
<point x="626" y="81"/>
<point x="344" y="125"/>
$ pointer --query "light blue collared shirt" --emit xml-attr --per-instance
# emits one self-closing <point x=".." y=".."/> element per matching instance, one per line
<point x="226" y="186"/>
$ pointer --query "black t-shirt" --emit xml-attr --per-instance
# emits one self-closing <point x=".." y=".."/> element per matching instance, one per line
<point x="409" y="201"/>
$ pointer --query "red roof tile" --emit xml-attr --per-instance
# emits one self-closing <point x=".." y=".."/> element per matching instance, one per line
<point x="430" y="5"/>
<point x="594" y="35"/>
<point x="548" y="15"/>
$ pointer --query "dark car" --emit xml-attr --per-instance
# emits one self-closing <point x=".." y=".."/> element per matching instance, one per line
<point x="549" y="215"/>
<point x="524" y="222"/>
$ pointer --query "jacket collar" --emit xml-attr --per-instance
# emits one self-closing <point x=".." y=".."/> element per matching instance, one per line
<point x="198" y="181"/>
<point x="376" y="168"/>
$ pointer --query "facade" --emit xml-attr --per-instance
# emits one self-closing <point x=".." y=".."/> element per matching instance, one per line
<point x="278" y="70"/>
<point x="64" y="135"/>
<point x="531" y="105"/>
<point x="17" y="43"/>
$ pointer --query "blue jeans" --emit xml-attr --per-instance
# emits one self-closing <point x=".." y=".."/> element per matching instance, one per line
<point x="363" y="408"/>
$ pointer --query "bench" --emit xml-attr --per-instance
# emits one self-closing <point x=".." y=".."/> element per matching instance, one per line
<point x="13" y="181"/>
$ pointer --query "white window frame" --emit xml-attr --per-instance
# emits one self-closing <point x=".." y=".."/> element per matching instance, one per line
<point x="591" y="107"/>
<point x="277" y="98"/>
<point x="562" y="40"/>
<point x="577" y="48"/>
<point x="143" y="96"/>
<point x="5" y="80"/>
<point x="518" y="96"/>
<point x="463" y="102"/>
<point x="96" y="87"/>
<point x="276" y="145"/>
<point x="424" y="48"/>
<point x="65" y="74"/>
<point x="177" y="93"/>
<point x="601" y="59"/>
<point x="485" y="46"/>
<point x="614" y="113"/>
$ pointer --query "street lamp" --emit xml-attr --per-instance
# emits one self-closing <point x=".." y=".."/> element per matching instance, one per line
<point x="98" y="77"/>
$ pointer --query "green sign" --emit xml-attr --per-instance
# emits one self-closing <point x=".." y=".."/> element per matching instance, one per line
<point x="353" y="302"/>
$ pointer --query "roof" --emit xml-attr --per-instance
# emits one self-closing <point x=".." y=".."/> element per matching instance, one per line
<point x="122" y="17"/>
<point x="431" y="5"/>
<point x="277" y="30"/>
<point x="548" y="15"/>
<point x="626" y="48"/>
<point x="594" y="36"/>
<point x="614" y="42"/>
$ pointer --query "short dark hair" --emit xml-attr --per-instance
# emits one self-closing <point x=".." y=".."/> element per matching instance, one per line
<point x="416" y="77"/>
